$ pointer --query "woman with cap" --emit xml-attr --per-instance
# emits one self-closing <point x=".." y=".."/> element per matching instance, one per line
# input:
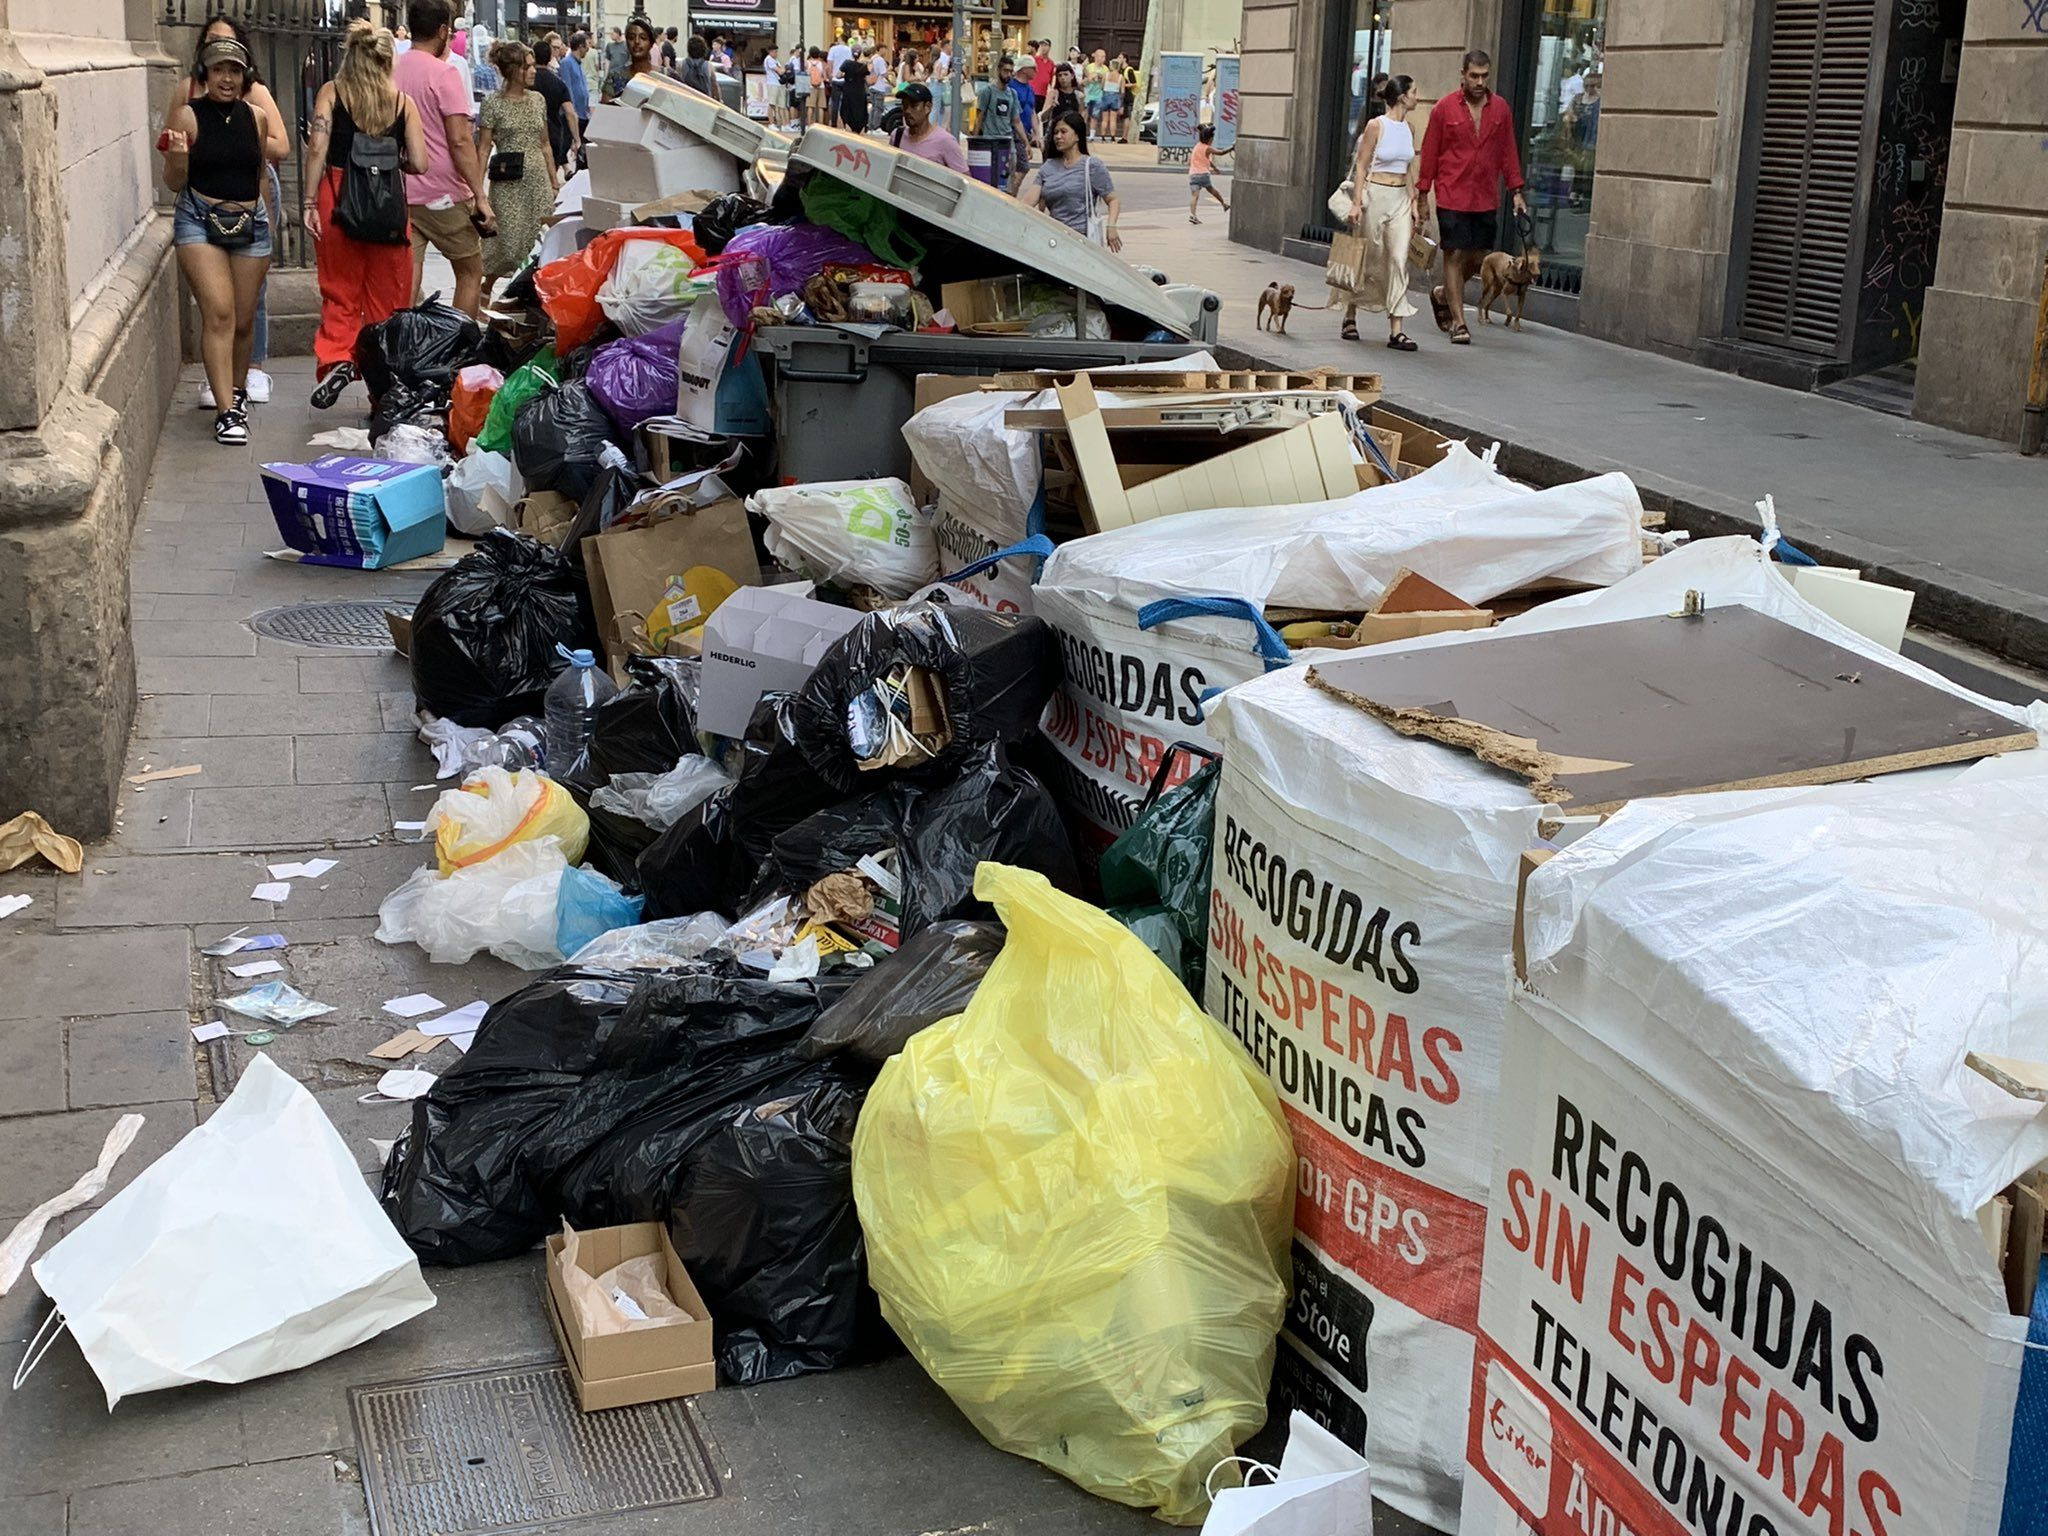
<point x="190" y="88"/>
<point x="361" y="282"/>
<point x="216" y="150"/>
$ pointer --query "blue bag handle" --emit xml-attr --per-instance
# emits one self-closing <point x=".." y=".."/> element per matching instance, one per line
<point x="1038" y="544"/>
<point x="1268" y="640"/>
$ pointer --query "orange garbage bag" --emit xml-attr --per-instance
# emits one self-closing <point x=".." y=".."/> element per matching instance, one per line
<point x="469" y="404"/>
<point x="568" y="287"/>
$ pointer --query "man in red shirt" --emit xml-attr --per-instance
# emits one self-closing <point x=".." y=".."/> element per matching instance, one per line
<point x="1468" y="150"/>
<point x="1041" y="68"/>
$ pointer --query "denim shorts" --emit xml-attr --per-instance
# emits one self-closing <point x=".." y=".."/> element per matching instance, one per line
<point x="188" y="226"/>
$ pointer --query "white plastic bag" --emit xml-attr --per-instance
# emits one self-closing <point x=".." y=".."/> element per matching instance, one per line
<point x="648" y="288"/>
<point x="251" y="1247"/>
<point x="1321" y="1488"/>
<point x="655" y="946"/>
<point x="507" y="904"/>
<point x="407" y="443"/>
<point x="851" y="532"/>
<point x="660" y="800"/>
<point x="481" y="491"/>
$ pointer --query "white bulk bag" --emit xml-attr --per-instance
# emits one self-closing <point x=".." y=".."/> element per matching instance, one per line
<point x="1747" y="1017"/>
<point x="253" y="1246"/>
<point x="1362" y="913"/>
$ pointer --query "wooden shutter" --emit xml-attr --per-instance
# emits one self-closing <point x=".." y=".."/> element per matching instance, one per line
<point x="1809" y="171"/>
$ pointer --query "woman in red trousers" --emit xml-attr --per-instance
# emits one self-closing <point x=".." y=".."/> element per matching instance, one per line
<point x="360" y="283"/>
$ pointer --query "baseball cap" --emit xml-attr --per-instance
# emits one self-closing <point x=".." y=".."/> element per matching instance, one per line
<point x="224" y="50"/>
<point x="915" y="91"/>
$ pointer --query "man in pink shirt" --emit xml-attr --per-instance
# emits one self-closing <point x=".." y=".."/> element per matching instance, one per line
<point x="919" y="137"/>
<point x="449" y="202"/>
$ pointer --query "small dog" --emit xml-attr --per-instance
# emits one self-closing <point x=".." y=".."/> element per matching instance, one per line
<point x="1507" y="278"/>
<point x="1274" y="304"/>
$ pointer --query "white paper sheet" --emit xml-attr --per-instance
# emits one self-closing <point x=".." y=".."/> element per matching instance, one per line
<point x="413" y="1005"/>
<point x="271" y="890"/>
<point x="463" y="1021"/>
<point x="255" y="968"/>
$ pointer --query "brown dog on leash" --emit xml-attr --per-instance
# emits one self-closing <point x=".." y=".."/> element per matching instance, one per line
<point x="1274" y="304"/>
<point x="1507" y="278"/>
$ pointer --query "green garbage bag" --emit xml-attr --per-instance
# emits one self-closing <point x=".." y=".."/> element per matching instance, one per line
<point x="864" y="217"/>
<point x="536" y="377"/>
<point x="1155" y="878"/>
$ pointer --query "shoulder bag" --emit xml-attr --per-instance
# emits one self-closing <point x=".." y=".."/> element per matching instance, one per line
<point x="1098" y="221"/>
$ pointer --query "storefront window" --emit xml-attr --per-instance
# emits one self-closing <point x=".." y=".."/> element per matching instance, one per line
<point x="1371" y="45"/>
<point x="1561" y="131"/>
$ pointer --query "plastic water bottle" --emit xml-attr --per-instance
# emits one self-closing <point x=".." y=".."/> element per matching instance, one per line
<point x="572" y="703"/>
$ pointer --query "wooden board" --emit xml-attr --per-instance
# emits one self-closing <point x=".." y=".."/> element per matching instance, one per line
<point x="1596" y="716"/>
<point x="2023" y="1250"/>
<point x="1366" y="386"/>
<point x="1207" y="415"/>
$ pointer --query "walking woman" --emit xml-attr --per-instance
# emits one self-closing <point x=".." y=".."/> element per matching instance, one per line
<point x="1069" y="182"/>
<point x="853" y="95"/>
<point x="191" y="88"/>
<point x="1384" y="215"/>
<point x="640" y="57"/>
<point x="518" y="159"/>
<point x="1063" y="97"/>
<point x="215" y="152"/>
<point x="361" y="283"/>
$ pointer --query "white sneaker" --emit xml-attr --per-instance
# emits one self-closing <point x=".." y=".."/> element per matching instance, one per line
<point x="258" y="387"/>
<point x="206" y="400"/>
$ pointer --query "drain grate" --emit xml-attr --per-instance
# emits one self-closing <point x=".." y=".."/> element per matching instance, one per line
<point x="330" y="626"/>
<point x="507" y="1449"/>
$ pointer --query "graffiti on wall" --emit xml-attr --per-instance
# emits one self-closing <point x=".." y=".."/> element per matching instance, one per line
<point x="2034" y="16"/>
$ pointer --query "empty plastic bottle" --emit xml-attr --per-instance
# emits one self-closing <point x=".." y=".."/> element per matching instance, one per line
<point x="572" y="702"/>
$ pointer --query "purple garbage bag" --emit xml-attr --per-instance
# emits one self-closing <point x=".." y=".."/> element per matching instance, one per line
<point x="794" y="254"/>
<point x="635" y="378"/>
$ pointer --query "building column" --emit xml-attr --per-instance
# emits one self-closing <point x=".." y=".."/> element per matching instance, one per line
<point x="35" y="330"/>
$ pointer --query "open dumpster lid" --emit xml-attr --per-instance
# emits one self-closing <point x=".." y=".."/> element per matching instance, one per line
<point x="981" y="216"/>
<point x="713" y="122"/>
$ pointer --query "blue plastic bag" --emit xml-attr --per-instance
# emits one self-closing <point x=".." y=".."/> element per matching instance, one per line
<point x="590" y="905"/>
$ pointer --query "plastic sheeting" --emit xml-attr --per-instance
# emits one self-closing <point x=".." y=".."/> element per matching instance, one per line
<point x="1387" y="892"/>
<point x="1076" y="1197"/>
<point x="1757" y="1007"/>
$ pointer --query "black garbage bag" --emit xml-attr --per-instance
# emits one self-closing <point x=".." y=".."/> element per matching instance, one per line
<point x="766" y="1224"/>
<point x="582" y="1098"/>
<point x="484" y="634"/>
<point x="940" y="831"/>
<point x="413" y="405"/>
<point x="724" y="217"/>
<point x="423" y="346"/>
<point x="932" y="977"/>
<point x="646" y="727"/>
<point x="694" y="866"/>
<point x="557" y="439"/>
<point x="1155" y="877"/>
<point x="996" y="671"/>
<point x="460" y="1184"/>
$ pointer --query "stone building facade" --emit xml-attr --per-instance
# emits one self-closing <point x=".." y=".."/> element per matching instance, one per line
<point x="1824" y="193"/>
<point x="88" y="357"/>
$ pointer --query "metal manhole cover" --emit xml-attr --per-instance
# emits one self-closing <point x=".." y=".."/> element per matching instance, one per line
<point x="342" y="626"/>
<point x="507" y="1449"/>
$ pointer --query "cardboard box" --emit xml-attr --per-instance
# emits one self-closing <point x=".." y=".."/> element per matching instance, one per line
<point x="1421" y="446"/>
<point x="357" y="512"/>
<point x="629" y="570"/>
<point x="989" y="306"/>
<point x="762" y="640"/>
<point x="637" y="157"/>
<point x="1305" y="464"/>
<point x="647" y="1364"/>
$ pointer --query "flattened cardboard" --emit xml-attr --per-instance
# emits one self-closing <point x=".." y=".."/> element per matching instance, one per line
<point x="1305" y="464"/>
<point x="1599" y="715"/>
<point x="1421" y="447"/>
<point x="647" y="1364"/>
<point x="1409" y="592"/>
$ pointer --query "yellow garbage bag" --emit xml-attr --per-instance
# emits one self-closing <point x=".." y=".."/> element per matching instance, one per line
<point x="495" y="809"/>
<point x="1077" y="1197"/>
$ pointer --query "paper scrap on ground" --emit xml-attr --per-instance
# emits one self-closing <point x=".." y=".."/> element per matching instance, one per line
<point x="212" y="1029"/>
<point x="463" y="1042"/>
<point x="28" y="835"/>
<point x="156" y="774"/>
<point x="311" y="869"/>
<point x="220" y="949"/>
<point x="271" y="890"/>
<point x="409" y="826"/>
<point x="264" y="941"/>
<point x="402" y="1045"/>
<point x="346" y="439"/>
<point x="276" y="1002"/>
<point x="21" y="1242"/>
<point x="413" y="1005"/>
<point x="463" y="1021"/>
<point x="404" y="1083"/>
<point x="9" y="905"/>
<point x="255" y="968"/>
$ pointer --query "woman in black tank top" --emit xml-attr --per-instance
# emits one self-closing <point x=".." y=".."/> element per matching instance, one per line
<point x="214" y="154"/>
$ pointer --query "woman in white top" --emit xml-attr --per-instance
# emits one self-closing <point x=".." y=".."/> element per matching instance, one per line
<point x="1384" y="215"/>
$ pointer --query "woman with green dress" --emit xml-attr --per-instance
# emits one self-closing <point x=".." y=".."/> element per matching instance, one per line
<point x="517" y="159"/>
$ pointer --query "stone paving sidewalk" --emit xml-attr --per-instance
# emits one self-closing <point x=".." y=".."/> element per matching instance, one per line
<point x="304" y="753"/>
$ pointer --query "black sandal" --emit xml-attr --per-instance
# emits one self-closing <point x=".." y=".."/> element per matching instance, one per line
<point x="1461" y="336"/>
<point x="1350" y="331"/>
<point x="1400" y="343"/>
<point x="1441" y="308"/>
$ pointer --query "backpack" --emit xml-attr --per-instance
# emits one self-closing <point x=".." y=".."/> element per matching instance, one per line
<point x="371" y="204"/>
<point x="789" y="73"/>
